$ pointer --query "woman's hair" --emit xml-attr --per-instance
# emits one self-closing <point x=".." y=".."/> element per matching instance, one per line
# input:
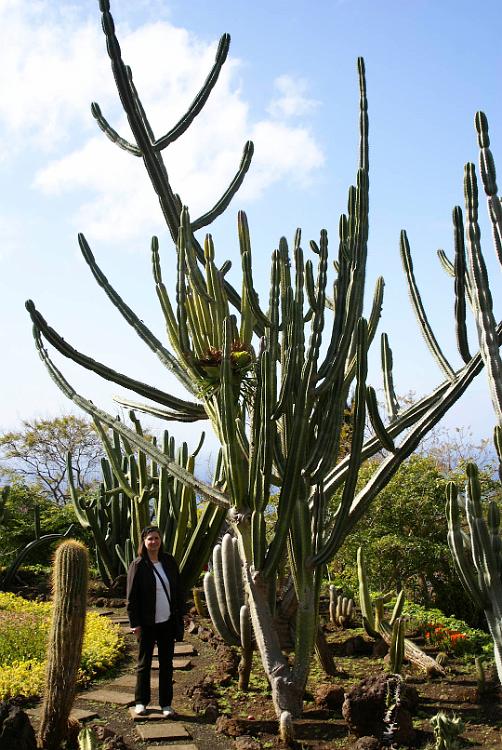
<point x="142" y="550"/>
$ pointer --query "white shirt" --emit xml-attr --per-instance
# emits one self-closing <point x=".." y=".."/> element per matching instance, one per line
<point x="162" y="608"/>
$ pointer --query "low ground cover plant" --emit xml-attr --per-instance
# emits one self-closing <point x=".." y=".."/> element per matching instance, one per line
<point x="23" y="636"/>
<point x="448" y="633"/>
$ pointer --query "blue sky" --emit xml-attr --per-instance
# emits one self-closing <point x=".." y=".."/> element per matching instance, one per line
<point x="290" y="84"/>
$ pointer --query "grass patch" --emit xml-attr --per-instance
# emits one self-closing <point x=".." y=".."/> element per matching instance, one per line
<point x="24" y="628"/>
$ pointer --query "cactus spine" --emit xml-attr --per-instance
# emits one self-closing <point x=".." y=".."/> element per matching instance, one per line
<point x="69" y="582"/>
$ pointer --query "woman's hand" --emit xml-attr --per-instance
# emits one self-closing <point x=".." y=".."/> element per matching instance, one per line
<point x="136" y="631"/>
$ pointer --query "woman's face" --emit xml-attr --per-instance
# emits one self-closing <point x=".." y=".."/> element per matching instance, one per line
<point x="152" y="541"/>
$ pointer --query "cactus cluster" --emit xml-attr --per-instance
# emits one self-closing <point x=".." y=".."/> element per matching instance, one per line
<point x="226" y="603"/>
<point x="341" y="608"/>
<point x="391" y="629"/>
<point x="478" y="554"/>
<point x="134" y="491"/>
<point x="66" y="635"/>
<point x="274" y="392"/>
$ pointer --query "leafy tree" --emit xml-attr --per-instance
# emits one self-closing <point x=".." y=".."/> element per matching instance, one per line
<point x="36" y="454"/>
<point x="17" y="524"/>
<point x="404" y="536"/>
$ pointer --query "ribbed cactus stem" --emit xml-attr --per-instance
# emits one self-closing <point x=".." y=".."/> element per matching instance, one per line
<point x="87" y="739"/>
<point x="246" y="662"/>
<point x="478" y="560"/>
<point x="396" y="649"/>
<point x="69" y="582"/>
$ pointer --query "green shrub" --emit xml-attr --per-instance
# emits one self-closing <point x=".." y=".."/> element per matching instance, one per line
<point x="448" y="633"/>
<point x="23" y="636"/>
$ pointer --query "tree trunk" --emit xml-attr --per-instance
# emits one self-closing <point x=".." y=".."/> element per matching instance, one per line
<point x="287" y="695"/>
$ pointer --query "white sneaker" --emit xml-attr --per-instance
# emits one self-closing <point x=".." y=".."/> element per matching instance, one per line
<point x="168" y="712"/>
<point x="139" y="709"/>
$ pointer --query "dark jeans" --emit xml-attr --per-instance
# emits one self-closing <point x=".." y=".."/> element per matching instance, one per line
<point x="161" y="634"/>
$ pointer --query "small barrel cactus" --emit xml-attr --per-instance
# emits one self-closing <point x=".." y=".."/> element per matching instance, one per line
<point x="69" y="583"/>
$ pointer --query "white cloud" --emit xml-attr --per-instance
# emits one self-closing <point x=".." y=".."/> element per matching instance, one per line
<point x="10" y="236"/>
<point x="59" y="67"/>
<point x="292" y="100"/>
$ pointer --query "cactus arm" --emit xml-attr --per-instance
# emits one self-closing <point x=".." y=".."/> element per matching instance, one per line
<point x="482" y="298"/>
<point x="201" y="98"/>
<point x="376" y="420"/>
<point x="396" y="649"/>
<point x="172" y="402"/>
<point x="215" y="613"/>
<point x="418" y="307"/>
<point x="388" y="379"/>
<point x="462" y="561"/>
<point x="111" y="133"/>
<point x="489" y="178"/>
<point x="229" y="193"/>
<point x="167" y="414"/>
<point x="483" y="554"/>
<point x="123" y="481"/>
<point x="364" y="596"/>
<point x="333" y="542"/>
<point x="245" y="248"/>
<point x="398" y="608"/>
<point x="208" y="492"/>
<point x="233" y="593"/>
<point x="200" y="544"/>
<point x="195" y="274"/>
<point x="132" y="319"/>
<point x="460" y="284"/>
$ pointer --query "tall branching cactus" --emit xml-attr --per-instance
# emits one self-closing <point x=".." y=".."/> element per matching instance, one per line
<point x="478" y="555"/>
<point x="64" y="648"/>
<point x="273" y="394"/>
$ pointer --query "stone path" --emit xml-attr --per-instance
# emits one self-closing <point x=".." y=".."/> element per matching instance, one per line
<point x="152" y="726"/>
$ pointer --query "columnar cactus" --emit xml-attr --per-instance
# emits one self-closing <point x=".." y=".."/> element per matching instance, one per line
<point x="378" y="626"/>
<point x="226" y="603"/>
<point x="478" y="556"/>
<point x="64" y="648"/>
<point x="275" y="397"/>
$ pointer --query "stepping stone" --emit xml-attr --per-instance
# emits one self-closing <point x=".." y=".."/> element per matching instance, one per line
<point x="172" y="747"/>
<point x="153" y="713"/>
<point x="184" y="649"/>
<point x="80" y="714"/>
<point x="177" y="664"/>
<point x="108" y="696"/>
<point x="104" y="612"/>
<point x="182" y="664"/>
<point x="126" y="680"/>
<point x="165" y="731"/>
<point x="120" y="620"/>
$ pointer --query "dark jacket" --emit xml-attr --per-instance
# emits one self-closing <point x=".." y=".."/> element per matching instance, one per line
<point x="141" y="588"/>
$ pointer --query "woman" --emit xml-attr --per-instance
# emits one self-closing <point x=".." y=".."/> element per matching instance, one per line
<point x="155" y="609"/>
